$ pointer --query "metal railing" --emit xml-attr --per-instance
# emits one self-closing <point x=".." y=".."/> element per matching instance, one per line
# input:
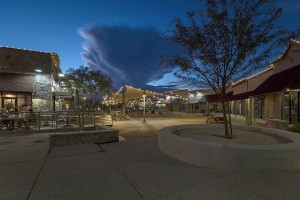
<point x="51" y="119"/>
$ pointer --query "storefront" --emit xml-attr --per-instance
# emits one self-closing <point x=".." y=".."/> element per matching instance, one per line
<point x="259" y="107"/>
<point x="15" y="101"/>
<point x="292" y="106"/>
<point x="27" y="79"/>
<point x="16" y="91"/>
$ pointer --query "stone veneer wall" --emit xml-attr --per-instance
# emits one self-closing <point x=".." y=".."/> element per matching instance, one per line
<point x="40" y="105"/>
<point x="101" y="135"/>
<point x="42" y="93"/>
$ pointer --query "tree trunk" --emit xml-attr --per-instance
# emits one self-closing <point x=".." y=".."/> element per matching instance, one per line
<point x="229" y="119"/>
<point x="223" y="99"/>
<point x="227" y="135"/>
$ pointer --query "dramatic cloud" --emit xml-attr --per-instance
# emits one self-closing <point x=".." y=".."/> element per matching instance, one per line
<point x="127" y="54"/>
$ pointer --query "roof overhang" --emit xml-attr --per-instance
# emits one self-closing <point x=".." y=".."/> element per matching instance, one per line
<point x="11" y="82"/>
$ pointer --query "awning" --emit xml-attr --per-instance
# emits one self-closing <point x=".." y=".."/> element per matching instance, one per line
<point x="289" y="79"/>
<point x="10" y="82"/>
<point x="210" y="98"/>
<point x="214" y="98"/>
<point x="241" y="96"/>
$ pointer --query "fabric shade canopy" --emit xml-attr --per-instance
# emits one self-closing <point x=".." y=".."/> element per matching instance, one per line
<point x="194" y="98"/>
<point x="132" y="93"/>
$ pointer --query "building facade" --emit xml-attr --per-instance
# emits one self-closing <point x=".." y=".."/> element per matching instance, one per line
<point x="28" y="79"/>
<point x="271" y="94"/>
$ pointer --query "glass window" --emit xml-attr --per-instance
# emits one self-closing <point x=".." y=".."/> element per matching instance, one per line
<point x="259" y="107"/>
<point x="294" y="107"/>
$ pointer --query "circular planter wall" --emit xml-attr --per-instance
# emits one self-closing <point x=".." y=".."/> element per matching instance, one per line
<point x="229" y="155"/>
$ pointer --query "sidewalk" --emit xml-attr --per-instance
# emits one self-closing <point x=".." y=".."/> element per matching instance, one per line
<point x="131" y="169"/>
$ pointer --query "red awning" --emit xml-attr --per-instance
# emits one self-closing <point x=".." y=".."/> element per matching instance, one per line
<point x="10" y="82"/>
<point x="214" y="98"/>
<point x="289" y="79"/>
<point x="241" y="96"/>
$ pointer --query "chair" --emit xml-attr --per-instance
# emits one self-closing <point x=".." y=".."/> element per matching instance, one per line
<point x="31" y="120"/>
<point x="1" y="124"/>
<point x="6" y="122"/>
<point x="59" y="119"/>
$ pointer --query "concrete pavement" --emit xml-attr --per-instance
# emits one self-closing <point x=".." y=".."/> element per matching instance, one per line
<point x="132" y="169"/>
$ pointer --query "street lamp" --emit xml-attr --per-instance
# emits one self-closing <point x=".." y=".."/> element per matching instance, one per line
<point x="144" y="99"/>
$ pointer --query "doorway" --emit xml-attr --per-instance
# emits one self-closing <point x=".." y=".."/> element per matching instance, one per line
<point x="292" y="106"/>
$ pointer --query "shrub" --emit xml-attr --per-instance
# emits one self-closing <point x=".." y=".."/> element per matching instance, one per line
<point x="295" y="128"/>
<point x="208" y="114"/>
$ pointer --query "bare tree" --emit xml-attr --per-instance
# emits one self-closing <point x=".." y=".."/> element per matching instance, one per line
<point x="226" y="41"/>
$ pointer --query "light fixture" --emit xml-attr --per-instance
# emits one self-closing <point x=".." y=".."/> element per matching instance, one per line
<point x="38" y="70"/>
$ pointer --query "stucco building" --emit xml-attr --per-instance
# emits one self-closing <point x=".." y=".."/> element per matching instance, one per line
<point x="271" y="94"/>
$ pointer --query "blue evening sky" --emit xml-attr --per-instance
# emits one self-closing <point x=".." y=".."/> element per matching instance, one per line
<point x="54" y="26"/>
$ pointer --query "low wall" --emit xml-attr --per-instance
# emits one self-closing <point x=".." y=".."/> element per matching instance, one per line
<point x="232" y="156"/>
<point x="104" y="120"/>
<point x="102" y="134"/>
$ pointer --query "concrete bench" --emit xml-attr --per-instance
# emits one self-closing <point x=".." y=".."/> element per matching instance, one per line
<point x="220" y="155"/>
<point x="277" y="123"/>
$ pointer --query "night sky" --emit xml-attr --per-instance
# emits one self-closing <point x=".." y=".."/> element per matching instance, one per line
<point x="118" y="36"/>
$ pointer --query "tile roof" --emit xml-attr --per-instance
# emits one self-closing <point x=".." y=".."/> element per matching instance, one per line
<point x="24" y="61"/>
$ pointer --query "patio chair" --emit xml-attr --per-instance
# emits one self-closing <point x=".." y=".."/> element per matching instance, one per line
<point x="6" y="122"/>
<point x="31" y="120"/>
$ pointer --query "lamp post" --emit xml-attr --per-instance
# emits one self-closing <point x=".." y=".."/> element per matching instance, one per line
<point x="144" y="113"/>
<point x="82" y="114"/>
<point x="188" y="103"/>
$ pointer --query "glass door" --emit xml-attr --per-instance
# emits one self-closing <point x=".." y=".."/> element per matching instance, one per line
<point x="294" y="107"/>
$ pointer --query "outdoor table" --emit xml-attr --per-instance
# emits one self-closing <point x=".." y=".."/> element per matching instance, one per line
<point x="12" y="121"/>
<point x="7" y="122"/>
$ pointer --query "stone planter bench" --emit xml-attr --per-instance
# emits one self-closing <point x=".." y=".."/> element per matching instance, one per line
<point x="232" y="156"/>
<point x="104" y="120"/>
<point x="274" y="123"/>
<point x="101" y="134"/>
